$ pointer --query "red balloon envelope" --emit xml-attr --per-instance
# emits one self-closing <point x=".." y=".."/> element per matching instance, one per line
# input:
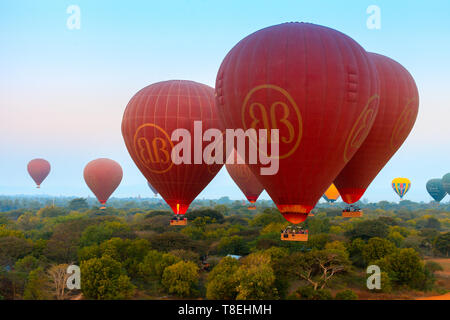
<point x="244" y="178"/>
<point x="38" y="170"/>
<point x="103" y="176"/>
<point x="152" y="188"/>
<point x="318" y="87"/>
<point x="397" y="112"/>
<point x="149" y="120"/>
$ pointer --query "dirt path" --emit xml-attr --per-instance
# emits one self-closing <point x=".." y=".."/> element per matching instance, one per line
<point x="443" y="297"/>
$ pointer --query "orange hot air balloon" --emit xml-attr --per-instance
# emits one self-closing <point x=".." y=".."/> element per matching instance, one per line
<point x="397" y="112"/>
<point x="38" y="170"/>
<point x="318" y="87"/>
<point x="103" y="176"/>
<point x="244" y="178"/>
<point x="332" y="194"/>
<point x="148" y="123"/>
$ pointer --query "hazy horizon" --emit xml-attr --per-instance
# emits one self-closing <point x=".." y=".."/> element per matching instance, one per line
<point x="63" y="92"/>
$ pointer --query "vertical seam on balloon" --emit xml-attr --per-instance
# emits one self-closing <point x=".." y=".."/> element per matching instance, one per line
<point x="195" y="173"/>
<point x="169" y="92"/>
<point x="321" y="36"/>
<point x="160" y="87"/>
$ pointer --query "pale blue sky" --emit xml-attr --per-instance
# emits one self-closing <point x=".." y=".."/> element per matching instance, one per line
<point x="63" y="92"/>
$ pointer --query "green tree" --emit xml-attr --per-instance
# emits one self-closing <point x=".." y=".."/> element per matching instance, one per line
<point x="12" y="249"/>
<point x="154" y="263"/>
<point x="368" y="229"/>
<point x="278" y="257"/>
<point x="356" y="250"/>
<point x="318" y="241"/>
<point x="396" y="238"/>
<point x="37" y="286"/>
<point x="442" y="243"/>
<point x="377" y="248"/>
<point x="129" y="252"/>
<point x="181" y="278"/>
<point x="337" y="245"/>
<point x="186" y="255"/>
<point x="269" y="215"/>
<point x="346" y="295"/>
<point x="308" y="293"/>
<point x="96" y="234"/>
<point x="233" y="245"/>
<point x="404" y="267"/>
<point x="26" y="264"/>
<point x="222" y="283"/>
<point x="104" y="279"/>
<point x="213" y="214"/>
<point x="63" y="245"/>
<point x="78" y="204"/>
<point x="51" y="212"/>
<point x="433" y="223"/>
<point x="256" y="278"/>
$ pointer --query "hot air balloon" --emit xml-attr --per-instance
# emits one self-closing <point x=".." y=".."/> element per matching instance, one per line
<point x="150" y="120"/>
<point x="103" y="176"/>
<point x="38" y="170"/>
<point x="245" y="179"/>
<point x="435" y="189"/>
<point x="153" y="189"/>
<point x="401" y="186"/>
<point x="397" y="112"/>
<point x="332" y="194"/>
<point x="318" y="87"/>
<point x="446" y="182"/>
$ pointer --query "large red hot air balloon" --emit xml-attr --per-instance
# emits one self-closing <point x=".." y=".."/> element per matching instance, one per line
<point x="38" y="170"/>
<point x="244" y="178"/>
<point x="103" y="176"/>
<point x="149" y="120"/>
<point x="397" y="112"/>
<point x="318" y="87"/>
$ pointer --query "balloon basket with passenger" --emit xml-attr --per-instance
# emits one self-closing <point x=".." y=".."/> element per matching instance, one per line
<point x="178" y="221"/>
<point x="352" y="212"/>
<point x="294" y="233"/>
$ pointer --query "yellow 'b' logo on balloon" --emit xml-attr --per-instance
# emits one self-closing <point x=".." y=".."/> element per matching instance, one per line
<point x="275" y="115"/>
<point x="153" y="148"/>
<point x="361" y="128"/>
<point x="403" y="125"/>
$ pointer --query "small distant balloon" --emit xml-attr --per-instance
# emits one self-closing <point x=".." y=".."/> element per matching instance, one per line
<point x="332" y="194"/>
<point x="38" y="170"/>
<point x="435" y="189"/>
<point x="103" y="176"/>
<point x="153" y="189"/>
<point x="401" y="186"/>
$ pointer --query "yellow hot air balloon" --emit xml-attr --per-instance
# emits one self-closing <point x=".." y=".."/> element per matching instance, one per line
<point x="332" y="194"/>
<point x="401" y="186"/>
